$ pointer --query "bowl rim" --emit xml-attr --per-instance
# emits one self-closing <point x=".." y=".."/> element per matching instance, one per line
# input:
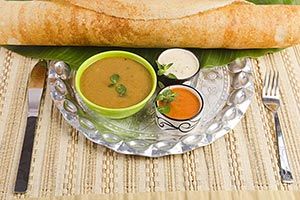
<point x="195" y="91"/>
<point x="109" y="54"/>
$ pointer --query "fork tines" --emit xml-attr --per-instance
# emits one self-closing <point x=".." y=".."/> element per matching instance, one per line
<point x="271" y="86"/>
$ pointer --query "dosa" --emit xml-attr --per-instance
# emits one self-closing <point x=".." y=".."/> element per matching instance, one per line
<point x="172" y="23"/>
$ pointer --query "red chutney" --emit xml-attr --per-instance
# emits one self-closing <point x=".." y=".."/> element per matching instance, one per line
<point x="186" y="106"/>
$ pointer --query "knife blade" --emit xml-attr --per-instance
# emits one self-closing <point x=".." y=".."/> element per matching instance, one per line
<point x="34" y="92"/>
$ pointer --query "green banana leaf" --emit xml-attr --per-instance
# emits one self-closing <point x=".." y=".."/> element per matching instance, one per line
<point x="75" y="55"/>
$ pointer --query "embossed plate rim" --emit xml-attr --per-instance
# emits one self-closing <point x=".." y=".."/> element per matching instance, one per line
<point x="224" y="121"/>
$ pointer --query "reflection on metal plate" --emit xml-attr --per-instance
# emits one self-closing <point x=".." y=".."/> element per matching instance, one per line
<point x="227" y="91"/>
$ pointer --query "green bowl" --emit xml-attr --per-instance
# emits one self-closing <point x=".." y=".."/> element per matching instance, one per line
<point x="115" y="113"/>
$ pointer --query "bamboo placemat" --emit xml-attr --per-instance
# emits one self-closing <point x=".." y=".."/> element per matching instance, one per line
<point x="243" y="163"/>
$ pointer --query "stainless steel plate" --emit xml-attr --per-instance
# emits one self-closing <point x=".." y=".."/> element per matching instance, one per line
<point x="227" y="91"/>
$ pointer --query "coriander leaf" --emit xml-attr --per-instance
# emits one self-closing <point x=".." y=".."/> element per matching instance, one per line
<point x="121" y="89"/>
<point x="170" y="99"/>
<point x="162" y="68"/>
<point x="115" y="78"/>
<point x="159" y="97"/>
<point x="166" y="97"/>
<point x="164" y="109"/>
<point x="167" y="93"/>
<point x="168" y="66"/>
<point x="159" y="65"/>
<point x="160" y="72"/>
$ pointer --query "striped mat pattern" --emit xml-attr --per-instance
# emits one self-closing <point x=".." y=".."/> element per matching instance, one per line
<point x="66" y="164"/>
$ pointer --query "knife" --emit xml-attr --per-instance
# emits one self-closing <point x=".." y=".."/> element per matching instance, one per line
<point x="35" y="90"/>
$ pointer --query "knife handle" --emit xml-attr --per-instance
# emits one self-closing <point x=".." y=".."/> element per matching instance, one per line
<point x="25" y="160"/>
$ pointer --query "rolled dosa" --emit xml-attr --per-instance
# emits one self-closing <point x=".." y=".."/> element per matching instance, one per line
<point x="154" y="9"/>
<point x="236" y="25"/>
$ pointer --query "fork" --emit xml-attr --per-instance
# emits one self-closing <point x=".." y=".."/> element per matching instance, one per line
<point x="271" y="99"/>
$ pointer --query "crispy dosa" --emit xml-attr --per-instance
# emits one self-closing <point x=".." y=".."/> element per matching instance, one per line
<point x="154" y="9"/>
<point x="233" y="24"/>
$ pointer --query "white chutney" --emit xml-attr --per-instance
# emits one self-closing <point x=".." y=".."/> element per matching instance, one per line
<point x="185" y="63"/>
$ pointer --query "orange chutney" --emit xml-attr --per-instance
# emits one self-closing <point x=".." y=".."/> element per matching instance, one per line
<point x="186" y="106"/>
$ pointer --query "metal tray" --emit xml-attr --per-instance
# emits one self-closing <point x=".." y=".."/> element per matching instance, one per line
<point x="227" y="92"/>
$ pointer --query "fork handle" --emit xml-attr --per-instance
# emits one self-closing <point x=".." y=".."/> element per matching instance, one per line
<point x="285" y="172"/>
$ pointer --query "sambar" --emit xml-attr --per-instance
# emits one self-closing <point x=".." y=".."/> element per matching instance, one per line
<point x="95" y="81"/>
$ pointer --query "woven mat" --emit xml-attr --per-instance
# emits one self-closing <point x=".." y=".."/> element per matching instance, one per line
<point x="66" y="164"/>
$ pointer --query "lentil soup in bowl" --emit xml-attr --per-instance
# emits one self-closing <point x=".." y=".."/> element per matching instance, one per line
<point x="115" y="84"/>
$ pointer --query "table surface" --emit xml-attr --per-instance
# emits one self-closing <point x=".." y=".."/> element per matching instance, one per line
<point x="65" y="165"/>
